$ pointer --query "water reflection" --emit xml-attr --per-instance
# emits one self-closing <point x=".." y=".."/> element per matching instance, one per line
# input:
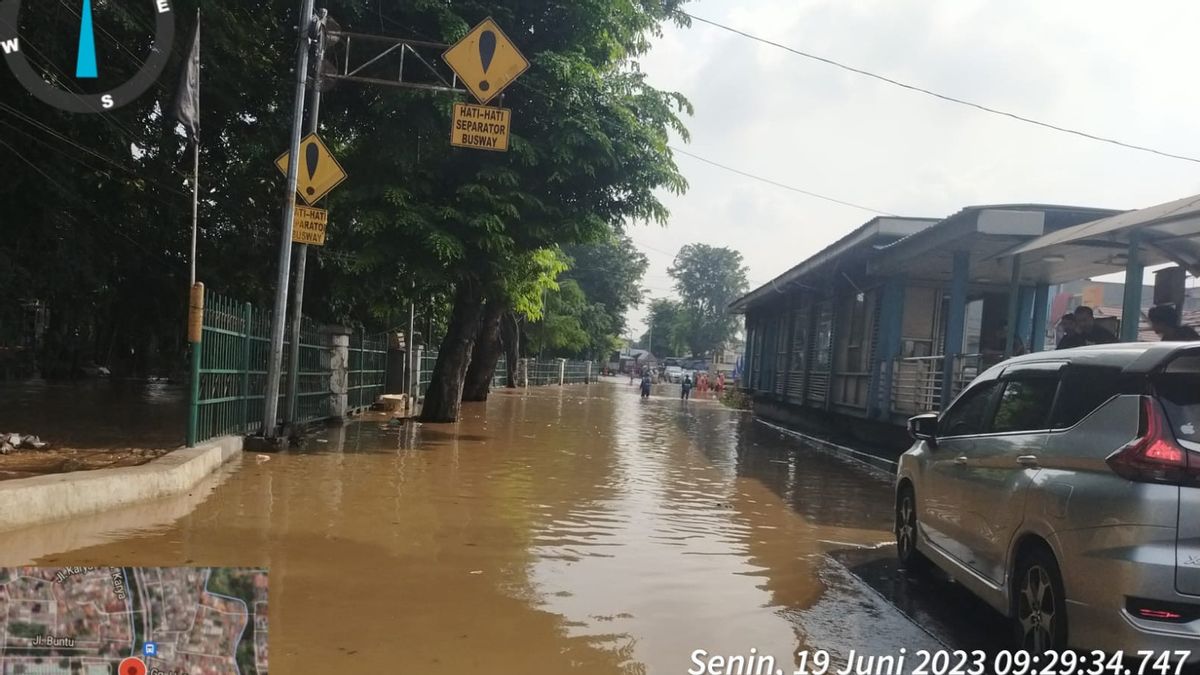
<point x="96" y="413"/>
<point x="553" y="530"/>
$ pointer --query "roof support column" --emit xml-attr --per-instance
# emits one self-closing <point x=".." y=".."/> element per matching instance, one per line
<point x="1041" y="301"/>
<point x="1131" y="311"/>
<point x="955" y="322"/>
<point x="1025" y="315"/>
<point x="1014" y="306"/>
<point x="834" y="336"/>
<point x="891" y="324"/>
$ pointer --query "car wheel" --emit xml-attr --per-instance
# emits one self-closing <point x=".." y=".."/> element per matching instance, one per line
<point x="1040" y="604"/>
<point x="906" y="530"/>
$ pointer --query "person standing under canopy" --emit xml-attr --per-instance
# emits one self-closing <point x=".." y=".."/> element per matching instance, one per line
<point x="1087" y="332"/>
<point x="1164" y="319"/>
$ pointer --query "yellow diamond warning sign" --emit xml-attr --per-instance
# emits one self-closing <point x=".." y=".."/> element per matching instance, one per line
<point x="480" y="127"/>
<point x="308" y="225"/>
<point x="320" y="173"/>
<point x="486" y="61"/>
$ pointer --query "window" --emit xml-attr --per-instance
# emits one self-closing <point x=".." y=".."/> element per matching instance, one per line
<point x="1179" y="390"/>
<point x="1025" y="405"/>
<point x="968" y="414"/>
<point x="823" y="342"/>
<point x="1083" y="390"/>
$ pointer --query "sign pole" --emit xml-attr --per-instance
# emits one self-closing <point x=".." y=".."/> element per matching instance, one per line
<point x="278" y="315"/>
<point x="314" y="116"/>
<point x="195" y="202"/>
<point x="195" y="335"/>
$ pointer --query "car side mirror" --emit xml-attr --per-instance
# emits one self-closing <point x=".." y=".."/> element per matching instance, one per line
<point x="924" y="427"/>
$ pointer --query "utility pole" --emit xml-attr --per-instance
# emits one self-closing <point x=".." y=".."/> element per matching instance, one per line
<point x="314" y="117"/>
<point x="414" y="365"/>
<point x="279" y="314"/>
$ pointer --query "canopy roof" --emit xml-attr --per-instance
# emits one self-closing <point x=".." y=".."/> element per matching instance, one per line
<point x="1167" y="233"/>
<point x="874" y="233"/>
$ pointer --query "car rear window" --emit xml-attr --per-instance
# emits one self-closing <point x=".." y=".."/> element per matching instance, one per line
<point x="968" y="415"/>
<point x="1025" y="405"/>
<point x="1083" y="390"/>
<point x="1178" y="388"/>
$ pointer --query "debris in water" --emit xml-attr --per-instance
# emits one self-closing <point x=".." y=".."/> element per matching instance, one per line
<point x="10" y="442"/>
<point x="262" y="458"/>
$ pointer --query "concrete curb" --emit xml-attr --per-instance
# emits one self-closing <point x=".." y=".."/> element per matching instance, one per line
<point x="865" y="458"/>
<point x="28" y="501"/>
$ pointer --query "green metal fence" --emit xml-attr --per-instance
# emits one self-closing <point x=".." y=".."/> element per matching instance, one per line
<point x="543" y="373"/>
<point x="500" y="377"/>
<point x="312" y="392"/>
<point x="233" y="369"/>
<point x="368" y="369"/>
<point x="232" y="376"/>
<point x="429" y="360"/>
<point x="425" y="372"/>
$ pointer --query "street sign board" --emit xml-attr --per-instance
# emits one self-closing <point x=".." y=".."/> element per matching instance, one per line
<point x="319" y="174"/>
<point x="308" y="225"/>
<point x="480" y="127"/>
<point x="486" y="61"/>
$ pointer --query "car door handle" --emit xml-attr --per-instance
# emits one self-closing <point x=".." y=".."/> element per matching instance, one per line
<point x="1028" y="460"/>
<point x="960" y="460"/>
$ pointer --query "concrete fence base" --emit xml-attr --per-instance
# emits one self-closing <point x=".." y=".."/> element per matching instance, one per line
<point x="29" y="501"/>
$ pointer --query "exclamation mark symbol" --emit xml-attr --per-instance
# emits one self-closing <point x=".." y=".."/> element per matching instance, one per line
<point x="487" y="51"/>
<point x="85" y="63"/>
<point x="312" y="155"/>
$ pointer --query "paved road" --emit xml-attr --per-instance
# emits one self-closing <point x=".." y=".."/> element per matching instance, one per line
<point x="575" y="530"/>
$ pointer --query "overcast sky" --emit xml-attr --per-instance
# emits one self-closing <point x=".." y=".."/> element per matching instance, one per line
<point x="1112" y="68"/>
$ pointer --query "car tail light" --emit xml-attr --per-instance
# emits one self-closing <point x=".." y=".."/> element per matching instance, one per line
<point x="1156" y="610"/>
<point x="1155" y="456"/>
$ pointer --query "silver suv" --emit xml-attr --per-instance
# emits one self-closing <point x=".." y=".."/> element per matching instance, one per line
<point x="1063" y="489"/>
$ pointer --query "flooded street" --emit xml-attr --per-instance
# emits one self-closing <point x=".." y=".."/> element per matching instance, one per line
<point x="553" y="530"/>
<point x="96" y="414"/>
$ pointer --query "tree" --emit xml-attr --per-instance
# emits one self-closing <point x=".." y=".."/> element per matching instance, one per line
<point x="667" y="329"/>
<point x="519" y="297"/>
<point x="561" y="332"/>
<point x="102" y="202"/>
<point x="591" y="154"/>
<point x="609" y="273"/>
<point x="708" y="279"/>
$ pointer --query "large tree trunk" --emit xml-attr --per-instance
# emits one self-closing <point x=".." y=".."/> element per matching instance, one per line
<point x="444" y="396"/>
<point x="510" y="335"/>
<point x="485" y="355"/>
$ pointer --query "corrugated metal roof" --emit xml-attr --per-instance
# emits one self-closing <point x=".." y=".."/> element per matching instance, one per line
<point x="1180" y="209"/>
<point x="879" y="226"/>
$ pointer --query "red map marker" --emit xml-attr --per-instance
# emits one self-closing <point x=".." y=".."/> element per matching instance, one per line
<point x="132" y="666"/>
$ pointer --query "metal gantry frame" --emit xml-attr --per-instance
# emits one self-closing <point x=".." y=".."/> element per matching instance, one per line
<point x="321" y="32"/>
<point x="388" y="45"/>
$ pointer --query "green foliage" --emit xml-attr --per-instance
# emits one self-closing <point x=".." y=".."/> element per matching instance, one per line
<point x="26" y="630"/>
<point x="708" y="279"/>
<point x="530" y="278"/>
<point x="667" y="329"/>
<point x="610" y="273"/>
<point x="736" y="399"/>
<point x="561" y="331"/>
<point x="102" y="233"/>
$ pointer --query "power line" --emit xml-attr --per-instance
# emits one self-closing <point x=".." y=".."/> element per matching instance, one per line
<point x="780" y="185"/>
<point x="527" y="85"/>
<point x="60" y="186"/>
<point x="89" y="151"/>
<point x="944" y="97"/>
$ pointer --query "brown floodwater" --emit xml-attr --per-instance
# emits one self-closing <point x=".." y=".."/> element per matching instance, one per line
<point x="90" y="424"/>
<point x="97" y="414"/>
<point x="552" y="530"/>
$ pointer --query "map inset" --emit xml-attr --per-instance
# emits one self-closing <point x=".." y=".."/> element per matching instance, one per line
<point x="133" y="621"/>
